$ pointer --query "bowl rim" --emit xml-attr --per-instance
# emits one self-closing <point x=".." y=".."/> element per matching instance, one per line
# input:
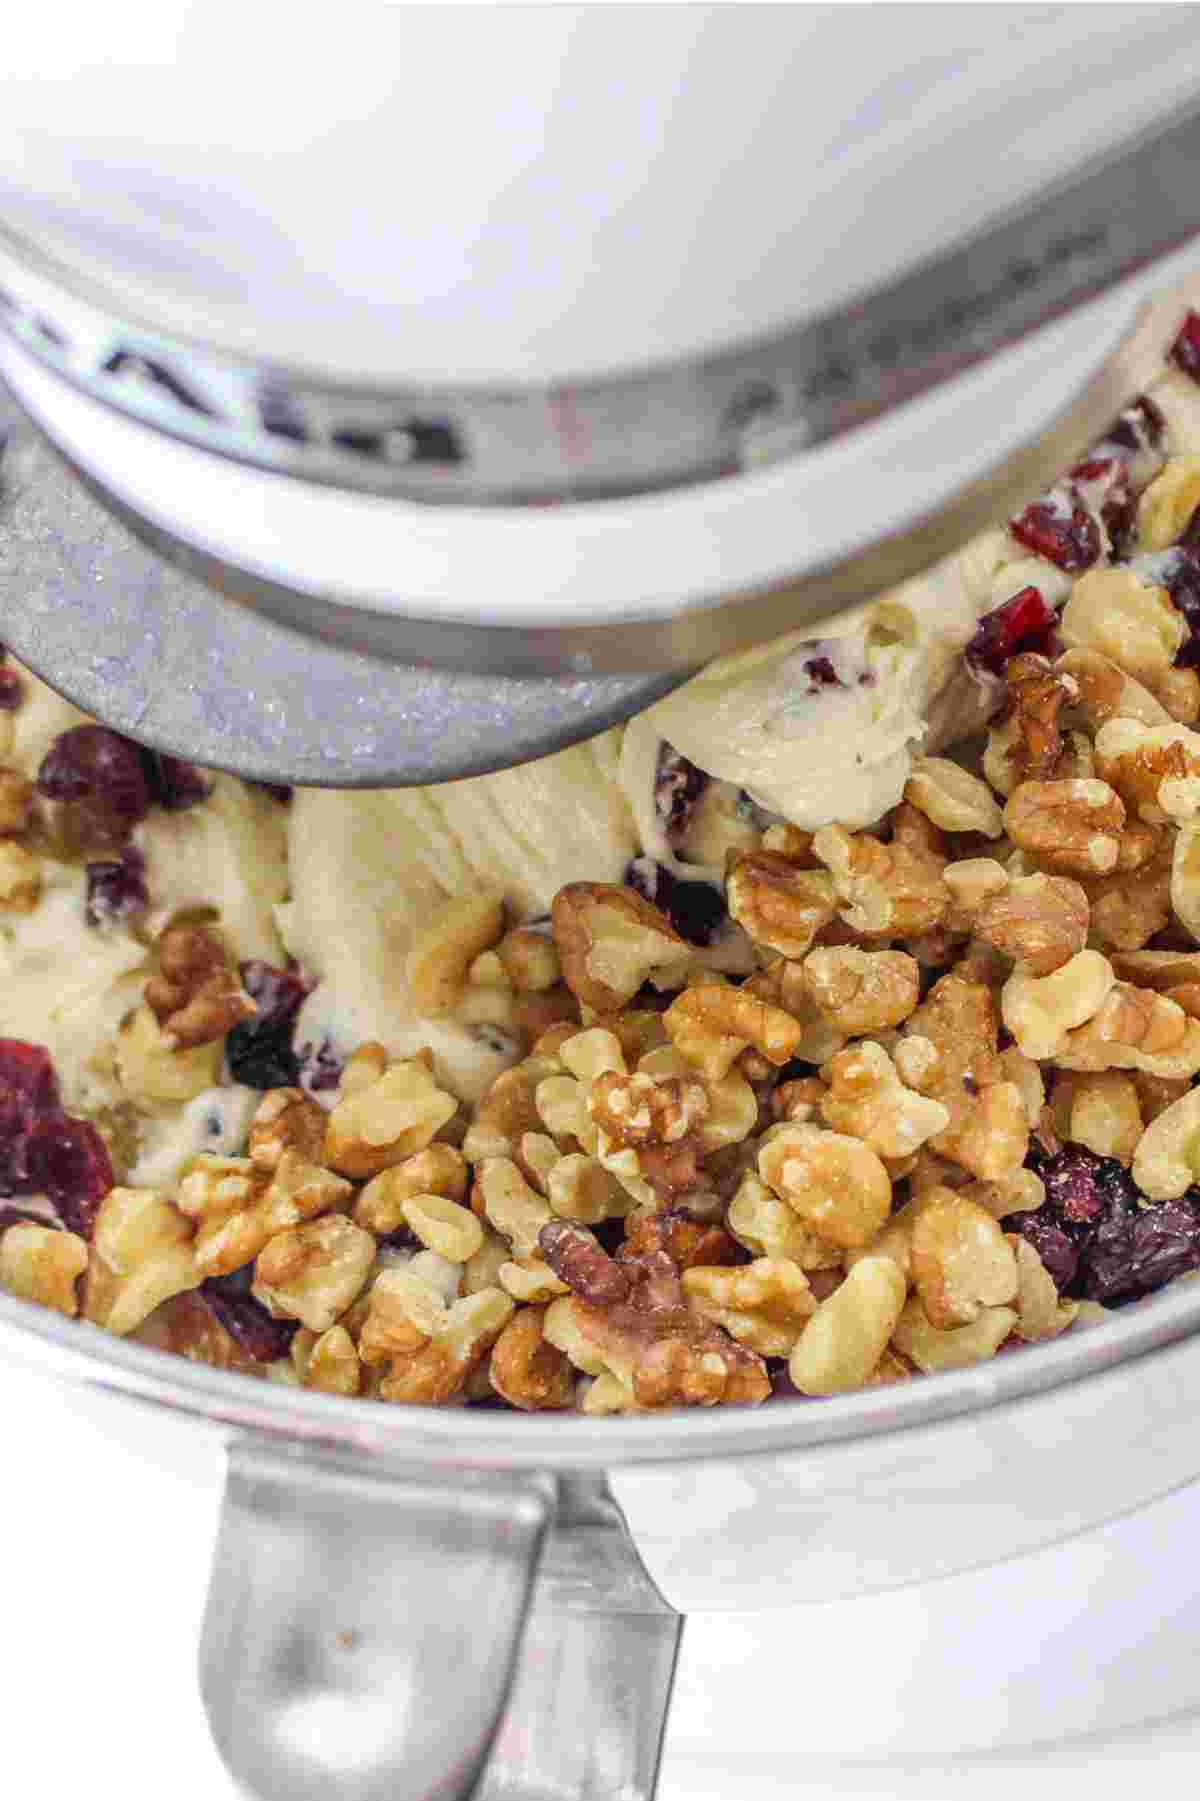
<point x="463" y="1438"/>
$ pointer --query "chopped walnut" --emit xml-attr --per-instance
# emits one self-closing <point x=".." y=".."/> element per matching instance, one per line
<point x="16" y="803"/>
<point x="444" y="1226"/>
<point x="1135" y="1028"/>
<point x="327" y="1362"/>
<point x="1102" y="1110"/>
<point x="578" y="1259"/>
<point x="20" y="877"/>
<point x="1041" y="1011"/>
<point x="846" y="1338"/>
<point x="764" y="1305"/>
<point x="580" y="1188"/>
<point x="196" y="995"/>
<point x="1040" y="921"/>
<point x="437" y="964"/>
<point x="866" y="1099"/>
<point x="882" y="888"/>
<point x="776" y="902"/>
<point x="1040" y="1312"/>
<point x="1185" y="877"/>
<point x="689" y="1243"/>
<point x="313" y="1272"/>
<point x="837" y="1185"/>
<point x="972" y="884"/>
<point x="385" y="1120"/>
<point x="286" y="1119"/>
<point x="1128" y="908"/>
<point x="960" y="1260"/>
<point x="1074" y="827"/>
<point x="508" y="1110"/>
<point x="712" y="1026"/>
<point x="440" y="1369"/>
<point x="1144" y="763"/>
<point x="142" y="1255"/>
<point x="529" y="960"/>
<point x="1131" y="622"/>
<point x="988" y="1133"/>
<point x="1157" y="1093"/>
<point x="1166" y="1161"/>
<point x="953" y="798"/>
<point x="862" y="991"/>
<point x="1167" y="505"/>
<point x="40" y="1264"/>
<point x="645" y="1109"/>
<point x="527" y="1369"/>
<point x="438" y="1170"/>
<point x="1106" y="692"/>
<point x="155" y="1076"/>
<point x="771" y="1228"/>
<point x="659" y="1351"/>
<point x="239" y="1207"/>
<point x="1033" y="748"/>
<point x="610" y="941"/>
<point x="515" y="1209"/>
<point x="931" y="1349"/>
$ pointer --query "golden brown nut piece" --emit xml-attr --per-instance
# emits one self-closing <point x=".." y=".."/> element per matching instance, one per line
<point x="196" y="996"/>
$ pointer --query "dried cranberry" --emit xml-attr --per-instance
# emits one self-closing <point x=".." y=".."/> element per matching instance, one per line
<point x="28" y="1091"/>
<point x="176" y="784"/>
<point x="259" y="1050"/>
<point x="1185" y="352"/>
<point x="252" y="1328"/>
<point x="1112" y="494"/>
<point x="68" y="1160"/>
<point x="821" y="673"/>
<point x="1096" y="1236"/>
<point x="1059" y="529"/>
<point x="678" y="785"/>
<point x="1140" y="427"/>
<point x="12" y="690"/>
<point x="1179" y="574"/>
<point x="1023" y="623"/>
<point x="695" y="909"/>
<point x="277" y="790"/>
<point x="101" y="778"/>
<point x="402" y="1239"/>
<point x="117" y="890"/>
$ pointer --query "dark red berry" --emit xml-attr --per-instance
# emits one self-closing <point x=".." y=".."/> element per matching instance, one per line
<point x="101" y="778"/>
<point x="1060" y="530"/>
<point x="255" y="1331"/>
<point x="116" y="890"/>
<point x="1111" y="492"/>
<point x="696" y="909"/>
<point x="678" y="785"/>
<point x="28" y="1090"/>
<point x="1024" y="623"/>
<point x="1179" y="573"/>
<point x="68" y="1160"/>
<point x="259" y="1050"/>
<point x="821" y="673"/>
<point x="12" y="690"/>
<point x="277" y="790"/>
<point x="1185" y="352"/>
<point x="1140" y="427"/>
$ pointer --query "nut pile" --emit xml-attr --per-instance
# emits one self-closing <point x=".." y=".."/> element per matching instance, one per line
<point x="950" y="1111"/>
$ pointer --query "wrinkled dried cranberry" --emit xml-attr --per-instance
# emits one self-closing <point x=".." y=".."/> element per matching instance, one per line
<point x="1185" y="352"/>
<point x="277" y="790"/>
<point x="1179" y="574"/>
<point x="696" y="909"/>
<point x="175" y="784"/>
<point x="68" y="1160"/>
<point x="116" y="890"/>
<point x="259" y="1050"/>
<point x="12" y="690"/>
<point x="1140" y="427"/>
<point x="252" y="1328"/>
<point x="1024" y="623"/>
<point x="101" y="777"/>
<point x="1097" y="1238"/>
<point x="1060" y="530"/>
<point x="821" y="673"/>
<point x="678" y="785"/>
<point x="1112" y="489"/>
<point x="28" y="1090"/>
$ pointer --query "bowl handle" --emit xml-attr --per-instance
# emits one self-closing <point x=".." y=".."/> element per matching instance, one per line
<point x="363" y="1635"/>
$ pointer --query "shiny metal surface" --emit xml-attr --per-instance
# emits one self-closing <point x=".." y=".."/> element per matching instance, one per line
<point x="666" y="427"/>
<point x="363" y="1625"/>
<point x="140" y="640"/>
<point x="360" y="1631"/>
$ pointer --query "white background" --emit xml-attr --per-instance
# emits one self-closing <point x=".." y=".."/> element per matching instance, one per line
<point x="106" y="1567"/>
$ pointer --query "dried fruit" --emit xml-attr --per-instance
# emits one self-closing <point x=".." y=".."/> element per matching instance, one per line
<point x="1026" y="622"/>
<point x="252" y="1328"/>
<point x="100" y="779"/>
<point x="1185" y="351"/>
<point x="42" y="1149"/>
<point x="175" y="784"/>
<point x="678" y="785"/>
<point x="1058" y="528"/>
<point x="259" y="1050"/>
<point x="695" y="909"/>
<point x="117" y="890"/>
